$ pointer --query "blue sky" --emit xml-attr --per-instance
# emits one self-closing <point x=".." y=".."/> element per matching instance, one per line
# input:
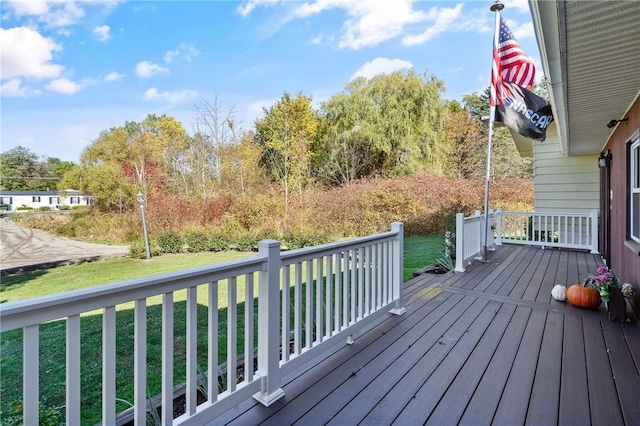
<point x="70" y="69"/>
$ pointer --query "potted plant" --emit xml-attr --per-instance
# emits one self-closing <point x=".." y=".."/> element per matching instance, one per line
<point x="611" y="292"/>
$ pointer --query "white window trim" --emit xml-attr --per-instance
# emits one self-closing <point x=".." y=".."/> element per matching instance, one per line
<point x="634" y="188"/>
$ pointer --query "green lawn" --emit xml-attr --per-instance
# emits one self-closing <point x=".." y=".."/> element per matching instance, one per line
<point x="419" y="252"/>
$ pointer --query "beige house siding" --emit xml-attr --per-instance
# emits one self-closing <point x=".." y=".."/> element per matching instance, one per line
<point x="562" y="183"/>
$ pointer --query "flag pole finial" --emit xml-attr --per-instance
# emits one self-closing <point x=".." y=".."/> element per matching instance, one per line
<point x="496" y="6"/>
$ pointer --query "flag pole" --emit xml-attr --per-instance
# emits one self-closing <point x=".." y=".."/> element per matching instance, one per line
<point x="496" y="7"/>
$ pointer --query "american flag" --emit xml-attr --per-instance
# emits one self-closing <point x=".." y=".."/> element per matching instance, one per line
<point x="510" y="63"/>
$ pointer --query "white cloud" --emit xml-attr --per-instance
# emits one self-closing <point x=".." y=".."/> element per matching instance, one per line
<point x="443" y="19"/>
<point x="381" y="66"/>
<point x="114" y="76"/>
<point x="171" y="97"/>
<point x="103" y="33"/>
<point x="521" y="5"/>
<point x="185" y="50"/>
<point x="522" y="31"/>
<point x="170" y="55"/>
<point x="370" y="21"/>
<point x="247" y="6"/>
<point x="63" y="86"/>
<point x="55" y="14"/>
<point x="26" y="53"/>
<point x="14" y="89"/>
<point x="146" y="69"/>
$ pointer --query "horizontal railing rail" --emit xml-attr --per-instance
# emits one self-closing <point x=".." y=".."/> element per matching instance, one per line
<point x="285" y="306"/>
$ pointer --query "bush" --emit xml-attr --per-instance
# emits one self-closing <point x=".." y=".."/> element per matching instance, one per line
<point x="295" y="240"/>
<point x="24" y="207"/>
<point x="170" y="243"/>
<point x="219" y="242"/>
<point x="245" y="243"/>
<point x="196" y="242"/>
<point x="64" y="208"/>
<point x="44" y="209"/>
<point x="137" y="250"/>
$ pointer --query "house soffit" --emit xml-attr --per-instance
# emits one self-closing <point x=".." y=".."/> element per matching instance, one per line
<point x="601" y="67"/>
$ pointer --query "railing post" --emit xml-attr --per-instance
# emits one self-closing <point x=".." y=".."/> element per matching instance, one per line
<point x="498" y="216"/>
<point x="398" y="267"/>
<point x="594" y="232"/>
<point x="269" y="324"/>
<point x="459" y="242"/>
<point x="480" y="241"/>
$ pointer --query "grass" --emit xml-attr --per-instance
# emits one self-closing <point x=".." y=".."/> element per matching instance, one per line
<point x="419" y="252"/>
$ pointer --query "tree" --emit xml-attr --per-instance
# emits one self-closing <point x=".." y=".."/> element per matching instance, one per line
<point x="465" y="143"/>
<point x="124" y="160"/>
<point x="23" y="170"/>
<point x="217" y="125"/>
<point x="286" y="133"/>
<point x="241" y="167"/>
<point x="505" y="159"/>
<point x="388" y="125"/>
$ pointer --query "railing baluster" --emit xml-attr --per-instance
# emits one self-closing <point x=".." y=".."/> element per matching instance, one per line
<point x="212" y="334"/>
<point x="345" y="289"/>
<point x="248" y="328"/>
<point x="232" y="333"/>
<point x="167" y="358"/>
<point x="286" y="312"/>
<point x="31" y="374"/>
<point x="297" y="306"/>
<point x="367" y="279"/>
<point x="338" y="292"/>
<point x="109" y="365"/>
<point x="329" y="297"/>
<point x="140" y="362"/>
<point x="73" y="370"/>
<point x="192" y="351"/>
<point x="319" y="299"/>
<point x="308" y="306"/>
<point x="354" y="269"/>
<point x="360" y="259"/>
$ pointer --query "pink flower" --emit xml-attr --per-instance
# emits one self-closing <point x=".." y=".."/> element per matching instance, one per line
<point x="602" y="270"/>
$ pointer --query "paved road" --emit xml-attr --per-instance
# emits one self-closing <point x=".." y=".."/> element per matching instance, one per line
<point x="22" y="247"/>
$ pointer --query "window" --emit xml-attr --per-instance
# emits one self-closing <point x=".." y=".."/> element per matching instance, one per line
<point x="634" y="187"/>
<point x="6" y="200"/>
<point x="35" y="199"/>
<point x="75" y="200"/>
<point x="54" y="200"/>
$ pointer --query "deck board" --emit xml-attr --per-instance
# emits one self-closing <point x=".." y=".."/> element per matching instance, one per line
<point x="543" y="405"/>
<point x="574" y="401"/>
<point x="487" y="346"/>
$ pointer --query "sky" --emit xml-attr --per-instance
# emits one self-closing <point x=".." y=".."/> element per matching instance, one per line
<point x="71" y="69"/>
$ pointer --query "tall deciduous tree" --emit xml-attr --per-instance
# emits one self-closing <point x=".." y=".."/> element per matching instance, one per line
<point x="22" y="169"/>
<point x="286" y="133"/>
<point x="216" y="122"/>
<point x="465" y="143"/>
<point x="388" y="125"/>
<point x="127" y="159"/>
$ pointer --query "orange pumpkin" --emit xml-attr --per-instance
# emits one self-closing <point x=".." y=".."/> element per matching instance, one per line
<point x="583" y="297"/>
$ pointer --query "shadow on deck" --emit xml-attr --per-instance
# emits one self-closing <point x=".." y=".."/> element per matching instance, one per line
<point x="487" y="346"/>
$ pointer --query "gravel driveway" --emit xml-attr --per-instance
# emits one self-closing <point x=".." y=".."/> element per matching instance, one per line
<point x="23" y="248"/>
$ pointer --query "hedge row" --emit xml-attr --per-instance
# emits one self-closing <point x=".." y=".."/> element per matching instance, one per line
<point x="196" y="242"/>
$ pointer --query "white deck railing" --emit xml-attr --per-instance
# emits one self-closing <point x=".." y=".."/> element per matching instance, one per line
<point x="562" y="230"/>
<point x="470" y="238"/>
<point x="308" y="301"/>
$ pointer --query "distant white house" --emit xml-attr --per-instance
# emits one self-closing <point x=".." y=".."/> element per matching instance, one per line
<point x="27" y="200"/>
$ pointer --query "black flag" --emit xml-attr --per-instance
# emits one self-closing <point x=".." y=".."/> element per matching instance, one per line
<point x="524" y="112"/>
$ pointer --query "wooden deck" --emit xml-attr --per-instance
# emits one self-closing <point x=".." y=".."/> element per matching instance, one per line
<point x="487" y="346"/>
